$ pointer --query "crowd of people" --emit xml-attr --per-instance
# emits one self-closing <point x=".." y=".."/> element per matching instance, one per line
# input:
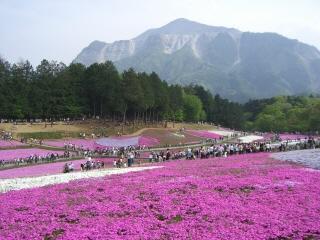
<point x="88" y="165"/>
<point x="7" y="136"/>
<point x="111" y="151"/>
<point x="126" y="159"/>
<point x="91" y="164"/>
<point x="224" y="150"/>
<point x="34" y="159"/>
<point x="68" y="167"/>
<point x="125" y="156"/>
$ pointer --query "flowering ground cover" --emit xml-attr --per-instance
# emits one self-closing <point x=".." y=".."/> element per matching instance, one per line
<point x="250" y="138"/>
<point x="204" y="134"/>
<point x="170" y="137"/>
<point x="36" y="170"/>
<point x="292" y="136"/>
<point x="284" y="136"/>
<point x="12" y="154"/>
<point x="93" y="144"/>
<point x="125" y="141"/>
<point x="46" y="169"/>
<point x="7" y="185"/>
<point x="307" y="157"/>
<point x="223" y="132"/>
<point x="85" y="143"/>
<point x="10" y="144"/>
<point x="240" y="197"/>
<point x="148" y="141"/>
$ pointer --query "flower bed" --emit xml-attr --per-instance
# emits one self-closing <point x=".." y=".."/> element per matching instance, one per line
<point x="125" y="141"/>
<point x="222" y="132"/>
<point x="84" y="143"/>
<point x="10" y="144"/>
<point x="7" y="185"/>
<point x="284" y="136"/>
<point x="240" y="197"/>
<point x="250" y="138"/>
<point x="9" y="155"/>
<point x="93" y="144"/>
<point x="46" y="169"/>
<point x="307" y="157"/>
<point x="204" y="134"/>
<point x="148" y="141"/>
<point x="292" y="136"/>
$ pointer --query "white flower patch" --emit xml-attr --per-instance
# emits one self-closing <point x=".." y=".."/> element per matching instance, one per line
<point x="223" y="132"/>
<point x="178" y="135"/>
<point x="250" y="138"/>
<point x="32" y="182"/>
<point x="308" y="157"/>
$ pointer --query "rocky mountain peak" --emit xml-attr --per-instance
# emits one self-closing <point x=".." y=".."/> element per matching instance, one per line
<point x="234" y="64"/>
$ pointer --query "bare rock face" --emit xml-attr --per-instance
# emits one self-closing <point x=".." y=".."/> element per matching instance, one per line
<point x="237" y="65"/>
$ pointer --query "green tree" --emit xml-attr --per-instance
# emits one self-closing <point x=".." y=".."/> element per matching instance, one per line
<point x="192" y="108"/>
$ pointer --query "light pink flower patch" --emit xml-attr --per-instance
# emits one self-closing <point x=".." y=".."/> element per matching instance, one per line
<point x="12" y="154"/>
<point x="285" y="136"/>
<point x="108" y="142"/>
<point x="148" y="141"/>
<point x="204" y="134"/>
<point x="292" y="136"/>
<point x="125" y="141"/>
<point x="79" y="143"/>
<point x="10" y="144"/>
<point x="47" y="169"/>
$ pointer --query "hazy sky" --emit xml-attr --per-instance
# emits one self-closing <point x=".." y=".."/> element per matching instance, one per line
<point x="59" y="29"/>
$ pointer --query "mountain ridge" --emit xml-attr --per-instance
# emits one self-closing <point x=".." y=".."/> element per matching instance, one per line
<point x="237" y="65"/>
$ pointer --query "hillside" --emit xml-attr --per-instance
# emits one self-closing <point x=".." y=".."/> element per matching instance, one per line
<point x="237" y="65"/>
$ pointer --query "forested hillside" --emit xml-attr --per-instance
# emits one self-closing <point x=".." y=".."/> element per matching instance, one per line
<point x="54" y="90"/>
<point x="283" y="114"/>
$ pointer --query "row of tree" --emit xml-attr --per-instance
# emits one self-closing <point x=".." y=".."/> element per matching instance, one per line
<point x="54" y="90"/>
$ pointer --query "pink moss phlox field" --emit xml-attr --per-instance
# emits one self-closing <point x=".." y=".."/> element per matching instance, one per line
<point x="204" y="134"/>
<point x="12" y="154"/>
<point x="148" y="141"/>
<point x="92" y="143"/>
<point x="284" y="136"/>
<point x="292" y="136"/>
<point x="10" y="144"/>
<point x="84" y="143"/>
<point x="240" y="197"/>
<point x="46" y="169"/>
<point x="124" y="141"/>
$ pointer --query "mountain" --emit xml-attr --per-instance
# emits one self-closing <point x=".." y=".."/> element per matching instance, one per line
<point x="237" y="65"/>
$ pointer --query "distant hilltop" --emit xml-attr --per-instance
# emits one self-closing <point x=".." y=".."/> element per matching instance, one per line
<point x="237" y="65"/>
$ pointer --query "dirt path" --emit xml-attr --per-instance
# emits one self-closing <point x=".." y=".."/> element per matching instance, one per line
<point x="139" y="132"/>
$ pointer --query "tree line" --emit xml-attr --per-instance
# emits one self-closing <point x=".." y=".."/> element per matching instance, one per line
<point x="53" y="91"/>
<point x="283" y="113"/>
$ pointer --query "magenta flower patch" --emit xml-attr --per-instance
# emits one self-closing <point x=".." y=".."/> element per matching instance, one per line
<point x="239" y="197"/>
